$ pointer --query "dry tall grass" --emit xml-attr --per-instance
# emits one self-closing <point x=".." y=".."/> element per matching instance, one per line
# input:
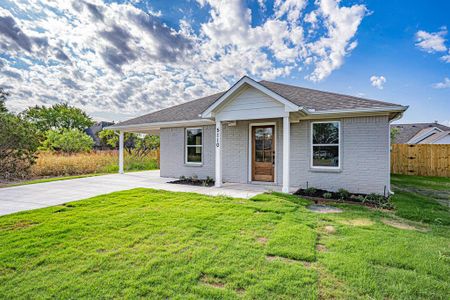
<point x="57" y="164"/>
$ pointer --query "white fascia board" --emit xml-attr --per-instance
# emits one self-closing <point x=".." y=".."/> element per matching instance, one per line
<point x="289" y="106"/>
<point x="158" y="125"/>
<point x="398" y="108"/>
<point x="418" y="138"/>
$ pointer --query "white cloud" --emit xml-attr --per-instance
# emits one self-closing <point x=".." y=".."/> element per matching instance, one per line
<point x="442" y="85"/>
<point x="446" y="58"/>
<point x="115" y="57"/>
<point x="341" y="24"/>
<point x="431" y="42"/>
<point x="378" y="81"/>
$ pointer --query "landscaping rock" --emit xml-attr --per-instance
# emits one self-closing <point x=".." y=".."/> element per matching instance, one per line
<point x="329" y="229"/>
<point x="324" y="209"/>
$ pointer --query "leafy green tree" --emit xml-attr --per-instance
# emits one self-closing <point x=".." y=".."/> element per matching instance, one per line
<point x="110" y="138"/>
<point x="133" y="143"/>
<point x="19" y="141"/>
<point x="3" y="96"/>
<point x="68" y="141"/>
<point x="57" y="117"/>
<point x="394" y="134"/>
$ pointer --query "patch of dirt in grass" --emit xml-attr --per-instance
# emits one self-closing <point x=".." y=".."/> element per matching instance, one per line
<point x="402" y="225"/>
<point x="212" y="281"/>
<point x="22" y="224"/>
<point x="262" y="240"/>
<point x="7" y="270"/>
<point x="329" y="229"/>
<point x="307" y="264"/>
<point x="321" y="248"/>
<point x="357" y="222"/>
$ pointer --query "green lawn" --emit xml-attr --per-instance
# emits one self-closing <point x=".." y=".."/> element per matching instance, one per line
<point x="144" y="243"/>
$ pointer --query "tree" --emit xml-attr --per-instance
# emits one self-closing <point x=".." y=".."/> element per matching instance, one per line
<point x="110" y="138"/>
<point x="19" y="140"/>
<point x="57" y="117"/>
<point x="394" y="132"/>
<point x="68" y="141"/>
<point x="3" y="96"/>
<point x="133" y="144"/>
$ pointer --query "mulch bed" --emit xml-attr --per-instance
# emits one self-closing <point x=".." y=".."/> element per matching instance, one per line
<point x="196" y="182"/>
<point x="321" y="200"/>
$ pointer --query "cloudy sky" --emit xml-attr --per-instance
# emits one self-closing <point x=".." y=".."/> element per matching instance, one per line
<point x="119" y="59"/>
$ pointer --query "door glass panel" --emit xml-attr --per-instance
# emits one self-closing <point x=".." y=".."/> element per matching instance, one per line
<point x="259" y="156"/>
<point x="263" y="144"/>
<point x="268" y="156"/>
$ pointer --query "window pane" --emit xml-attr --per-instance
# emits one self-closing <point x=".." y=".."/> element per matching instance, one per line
<point x="325" y="156"/>
<point x="194" y="154"/>
<point x="194" y="136"/>
<point x="267" y="156"/>
<point x="259" y="156"/>
<point x="326" y="133"/>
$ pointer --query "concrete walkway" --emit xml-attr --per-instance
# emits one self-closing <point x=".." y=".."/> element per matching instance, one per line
<point x="26" y="197"/>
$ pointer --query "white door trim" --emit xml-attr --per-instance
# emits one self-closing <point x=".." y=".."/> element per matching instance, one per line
<point x="250" y="139"/>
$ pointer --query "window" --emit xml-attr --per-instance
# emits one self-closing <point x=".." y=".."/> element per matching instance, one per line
<point x="194" y="144"/>
<point x="325" y="144"/>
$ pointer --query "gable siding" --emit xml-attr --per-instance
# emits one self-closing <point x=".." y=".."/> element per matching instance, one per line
<point x="248" y="104"/>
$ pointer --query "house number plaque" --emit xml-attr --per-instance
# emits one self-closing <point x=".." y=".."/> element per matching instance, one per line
<point x="217" y="137"/>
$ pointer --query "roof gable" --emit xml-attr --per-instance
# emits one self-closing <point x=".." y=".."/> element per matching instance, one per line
<point x="243" y="83"/>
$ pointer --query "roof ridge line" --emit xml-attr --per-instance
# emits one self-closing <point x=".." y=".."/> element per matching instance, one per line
<point x="328" y="92"/>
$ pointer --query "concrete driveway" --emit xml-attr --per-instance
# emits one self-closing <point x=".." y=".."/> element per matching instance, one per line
<point x="26" y="197"/>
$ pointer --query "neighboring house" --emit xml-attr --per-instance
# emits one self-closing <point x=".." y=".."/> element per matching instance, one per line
<point x="94" y="130"/>
<point x="276" y="134"/>
<point x="422" y="133"/>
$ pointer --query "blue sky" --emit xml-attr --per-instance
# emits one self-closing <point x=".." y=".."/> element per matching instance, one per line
<point x="119" y="59"/>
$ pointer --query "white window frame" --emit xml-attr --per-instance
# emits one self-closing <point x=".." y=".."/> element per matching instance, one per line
<point x="338" y="145"/>
<point x="186" y="146"/>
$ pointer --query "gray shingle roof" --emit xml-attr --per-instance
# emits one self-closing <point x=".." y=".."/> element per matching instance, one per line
<point x="307" y="98"/>
<point x="408" y="131"/>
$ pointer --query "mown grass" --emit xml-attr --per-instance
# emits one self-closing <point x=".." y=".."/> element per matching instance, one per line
<point x="144" y="243"/>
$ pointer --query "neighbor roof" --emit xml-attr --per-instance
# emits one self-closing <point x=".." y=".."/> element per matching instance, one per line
<point x="313" y="100"/>
<point x="408" y="131"/>
<point x="435" y="137"/>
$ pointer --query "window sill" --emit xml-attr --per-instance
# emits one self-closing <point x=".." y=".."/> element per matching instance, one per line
<point x="193" y="165"/>
<point x="325" y="170"/>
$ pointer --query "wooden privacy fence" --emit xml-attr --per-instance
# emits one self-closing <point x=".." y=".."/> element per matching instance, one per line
<point x="422" y="159"/>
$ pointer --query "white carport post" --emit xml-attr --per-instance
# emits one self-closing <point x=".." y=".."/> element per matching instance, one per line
<point x="218" y="154"/>
<point x="121" y="152"/>
<point x="286" y="153"/>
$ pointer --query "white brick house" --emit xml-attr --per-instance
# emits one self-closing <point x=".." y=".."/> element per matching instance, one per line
<point x="275" y="133"/>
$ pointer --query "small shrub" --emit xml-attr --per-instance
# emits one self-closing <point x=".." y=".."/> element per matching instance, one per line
<point x="343" y="194"/>
<point x="360" y="198"/>
<point x="327" y="195"/>
<point x="310" y="191"/>
<point x="182" y="177"/>
<point x="378" y="200"/>
<point x="209" y="180"/>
